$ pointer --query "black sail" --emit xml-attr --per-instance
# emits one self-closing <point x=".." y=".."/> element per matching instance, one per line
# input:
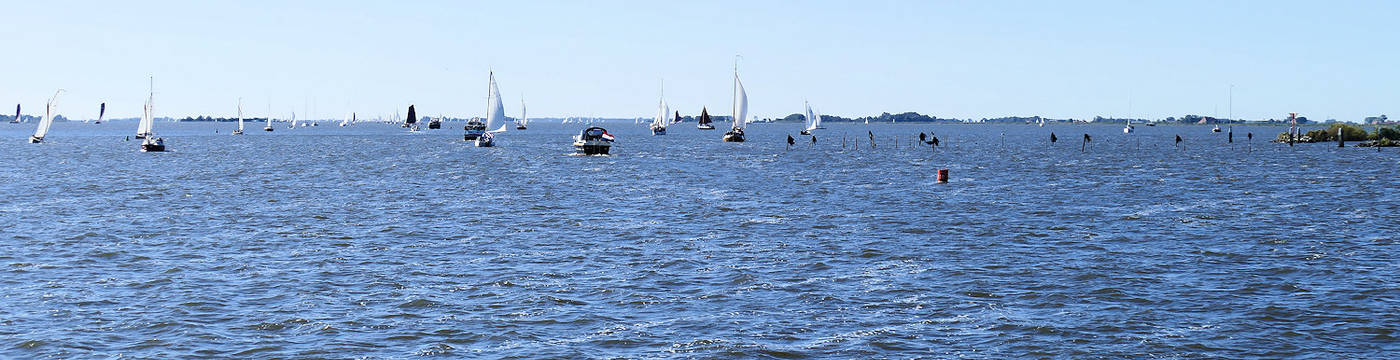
<point x="704" y="116"/>
<point x="412" y="116"/>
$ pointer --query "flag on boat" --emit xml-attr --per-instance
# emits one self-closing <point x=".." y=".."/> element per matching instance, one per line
<point x="607" y="136"/>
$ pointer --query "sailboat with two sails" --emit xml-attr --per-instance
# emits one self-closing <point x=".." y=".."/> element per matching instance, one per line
<point x="813" y="121"/>
<point x="741" y="110"/>
<point x="658" y="124"/>
<point x="144" y="131"/>
<point x="704" y="123"/>
<point x="495" y="114"/>
<point x="50" y="110"/>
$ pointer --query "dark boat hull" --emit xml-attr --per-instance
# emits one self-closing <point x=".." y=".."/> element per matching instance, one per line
<point x="658" y="131"/>
<point x="434" y="125"/>
<point x="591" y="149"/>
<point x="152" y="148"/>
<point x="35" y="140"/>
<point x="705" y="127"/>
<point x="734" y="136"/>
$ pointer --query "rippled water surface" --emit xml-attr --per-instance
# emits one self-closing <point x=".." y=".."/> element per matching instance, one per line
<point x="366" y="241"/>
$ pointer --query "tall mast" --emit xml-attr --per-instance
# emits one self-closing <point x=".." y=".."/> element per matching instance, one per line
<point x="1232" y="102"/>
<point x="491" y="78"/>
<point x="733" y="97"/>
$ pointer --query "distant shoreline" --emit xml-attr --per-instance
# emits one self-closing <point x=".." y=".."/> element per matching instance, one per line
<point x="906" y="117"/>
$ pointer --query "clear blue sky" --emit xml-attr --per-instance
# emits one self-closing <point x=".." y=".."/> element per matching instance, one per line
<point x="962" y="59"/>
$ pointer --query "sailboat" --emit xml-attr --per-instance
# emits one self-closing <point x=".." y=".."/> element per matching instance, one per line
<point x="47" y="121"/>
<point x="240" y="118"/>
<point x="151" y="143"/>
<point x="411" y="122"/>
<point x="704" y="123"/>
<point x="294" y="120"/>
<point x="520" y="125"/>
<point x="1128" y="129"/>
<point x="348" y="120"/>
<point x="741" y="110"/>
<point x="658" y="124"/>
<point x="101" y="111"/>
<point x="495" y="114"/>
<point x="269" y="117"/>
<point x="143" y="128"/>
<point x="812" y="120"/>
<point x="16" y="119"/>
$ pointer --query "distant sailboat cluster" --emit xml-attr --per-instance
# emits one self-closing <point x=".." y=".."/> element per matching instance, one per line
<point x="487" y="131"/>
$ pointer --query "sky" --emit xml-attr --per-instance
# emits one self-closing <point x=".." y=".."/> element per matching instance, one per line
<point x="951" y="59"/>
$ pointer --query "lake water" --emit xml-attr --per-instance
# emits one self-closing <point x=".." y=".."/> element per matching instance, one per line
<point x="366" y="241"/>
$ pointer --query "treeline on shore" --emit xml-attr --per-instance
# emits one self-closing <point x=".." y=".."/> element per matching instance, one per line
<point x="915" y="117"/>
<point x="1384" y="136"/>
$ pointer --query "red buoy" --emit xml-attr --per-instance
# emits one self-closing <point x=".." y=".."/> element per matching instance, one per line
<point x="942" y="175"/>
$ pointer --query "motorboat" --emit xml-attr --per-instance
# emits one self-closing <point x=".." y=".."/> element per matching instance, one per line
<point x="474" y="129"/>
<point x="593" y="141"/>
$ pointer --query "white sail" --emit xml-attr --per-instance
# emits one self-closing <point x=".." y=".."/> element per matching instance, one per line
<point x="148" y="120"/>
<point x="523" y="119"/>
<point x="741" y="104"/>
<point x="817" y="122"/>
<point x="661" y="112"/>
<point x="49" y="113"/>
<point x="240" y="114"/>
<point x="495" y="111"/>
<point x="269" y="115"/>
<point x="811" y="120"/>
<point x="294" y="119"/>
<point x="346" y="121"/>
